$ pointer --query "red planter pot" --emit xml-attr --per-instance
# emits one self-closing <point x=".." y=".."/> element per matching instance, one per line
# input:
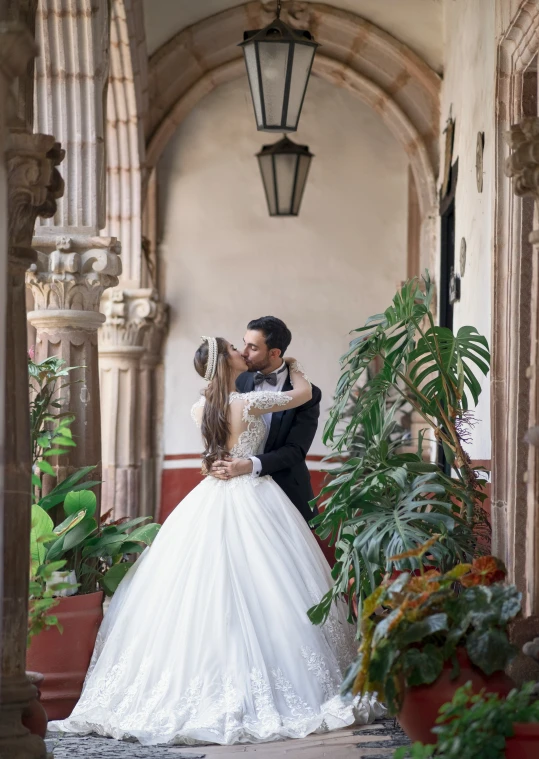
<point x="34" y="717"/>
<point x="525" y="742"/>
<point x="422" y="702"/>
<point x="63" y="658"/>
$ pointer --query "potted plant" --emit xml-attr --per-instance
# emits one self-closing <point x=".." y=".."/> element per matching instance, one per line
<point x="64" y="656"/>
<point x="483" y="726"/>
<point x="75" y="548"/>
<point x="381" y="501"/>
<point x="42" y="600"/>
<point x="425" y="635"/>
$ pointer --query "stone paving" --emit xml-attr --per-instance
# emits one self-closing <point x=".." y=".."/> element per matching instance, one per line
<point x="377" y="741"/>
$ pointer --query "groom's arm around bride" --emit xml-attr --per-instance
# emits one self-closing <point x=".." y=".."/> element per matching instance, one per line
<point x="289" y="433"/>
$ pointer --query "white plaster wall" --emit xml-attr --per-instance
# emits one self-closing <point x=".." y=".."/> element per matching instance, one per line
<point x="468" y="93"/>
<point x="225" y="261"/>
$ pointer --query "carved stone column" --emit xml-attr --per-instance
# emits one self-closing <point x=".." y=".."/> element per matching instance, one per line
<point x="75" y="263"/>
<point x="130" y="315"/>
<point x="151" y="396"/>
<point x="523" y="167"/>
<point x="33" y="185"/>
<point x="67" y="282"/>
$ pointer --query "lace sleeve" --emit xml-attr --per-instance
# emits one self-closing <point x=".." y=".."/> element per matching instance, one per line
<point x="297" y="367"/>
<point x="194" y="415"/>
<point x="263" y="400"/>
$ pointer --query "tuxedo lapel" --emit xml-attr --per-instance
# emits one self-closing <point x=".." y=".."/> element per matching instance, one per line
<point x="276" y="420"/>
<point x="245" y="382"/>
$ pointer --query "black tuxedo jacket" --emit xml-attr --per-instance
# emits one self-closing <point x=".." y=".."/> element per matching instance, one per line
<point x="290" y="437"/>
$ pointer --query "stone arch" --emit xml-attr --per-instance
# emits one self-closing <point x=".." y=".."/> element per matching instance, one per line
<point x="515" y="309"/>
<point x="127" y="109"/>
<point x="355" y="54"/>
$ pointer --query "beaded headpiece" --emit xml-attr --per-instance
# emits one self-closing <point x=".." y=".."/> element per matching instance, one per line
<point x="211" y="366"/>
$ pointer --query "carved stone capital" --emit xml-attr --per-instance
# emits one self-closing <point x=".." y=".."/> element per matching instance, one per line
<point x="34" y="183"/>
<point x="522" y="166"/>
<point x="155" y="335"/>
<point x="71" y="273"/>
<point x="17" y="49"/>
<point x="129" y="315"/>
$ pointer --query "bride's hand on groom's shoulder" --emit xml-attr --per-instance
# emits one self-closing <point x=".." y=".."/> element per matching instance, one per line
<point x="289" y="361"/>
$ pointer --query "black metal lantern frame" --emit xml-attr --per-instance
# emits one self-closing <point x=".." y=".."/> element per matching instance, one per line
<point x="279" y="61"/>
<point x="284" y="167"/>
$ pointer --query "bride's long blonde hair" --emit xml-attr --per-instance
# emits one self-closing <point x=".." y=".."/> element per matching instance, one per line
<point x="215" y="425"/>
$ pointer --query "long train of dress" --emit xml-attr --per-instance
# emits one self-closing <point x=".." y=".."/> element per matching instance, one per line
<point x="207" y="639"/>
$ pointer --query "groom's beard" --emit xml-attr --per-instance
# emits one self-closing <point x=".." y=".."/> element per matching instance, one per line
<point x="259" y="366"/>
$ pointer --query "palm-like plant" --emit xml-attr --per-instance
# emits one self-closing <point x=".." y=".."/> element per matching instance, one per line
<point x="381" y="503"/>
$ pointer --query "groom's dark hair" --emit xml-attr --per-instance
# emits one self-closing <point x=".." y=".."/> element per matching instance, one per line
<point x="276" y="333"/>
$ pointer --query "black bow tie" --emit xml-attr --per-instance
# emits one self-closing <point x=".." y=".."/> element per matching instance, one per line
<point x="271" y="379"/>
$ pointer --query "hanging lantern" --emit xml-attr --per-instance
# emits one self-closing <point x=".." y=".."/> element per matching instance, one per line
<point x="284" y="167"/>
<point x="279" y="61"/>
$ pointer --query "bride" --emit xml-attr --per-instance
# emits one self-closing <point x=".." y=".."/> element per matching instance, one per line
<point x="207" y="638"/>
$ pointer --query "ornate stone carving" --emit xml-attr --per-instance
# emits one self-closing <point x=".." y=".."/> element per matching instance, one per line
<point x="523" y="163"/>
<point x="129" y="315"/>
<point x="155" y="335"/>
<point x="129" y="349"/>
<point x="74" y="274"/>
<point x="17" y="56"/>
<point x="34" y="183"/>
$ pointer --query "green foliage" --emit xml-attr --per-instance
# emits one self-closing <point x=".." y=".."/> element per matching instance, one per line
<point x="410" y="627"/>
<point x="50" y="432"/>
<point x="66" y="533"/>
<point x="79" y="537"/>
<point x="476" y="726"/>
<point x="379" y="501"/>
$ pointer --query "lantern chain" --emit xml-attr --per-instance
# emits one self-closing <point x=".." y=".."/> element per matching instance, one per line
<point x="278" y="8"/>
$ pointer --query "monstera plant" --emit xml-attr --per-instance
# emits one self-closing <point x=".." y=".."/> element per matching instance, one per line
<point x="380" y="501"/>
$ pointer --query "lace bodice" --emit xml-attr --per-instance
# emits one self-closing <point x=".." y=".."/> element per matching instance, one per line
<point x="250" y="439"/>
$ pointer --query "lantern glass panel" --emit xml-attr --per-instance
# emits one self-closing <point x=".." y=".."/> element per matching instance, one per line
<point x="273" y="66"/>
<point x="285" y="175"/>
<point x="252" y="71"/>
<point x="301" y="66"/>
<point x="303" y="170"/>
<point x="266" y="169"/>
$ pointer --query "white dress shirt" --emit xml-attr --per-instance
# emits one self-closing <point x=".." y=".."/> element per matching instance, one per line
<point x="281" y="379"/>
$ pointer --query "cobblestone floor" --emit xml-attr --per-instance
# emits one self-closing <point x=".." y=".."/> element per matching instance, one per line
<point x="377" y="741"/>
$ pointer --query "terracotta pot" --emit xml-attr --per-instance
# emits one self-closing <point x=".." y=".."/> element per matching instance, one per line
<point x="525" y="742"/>
<point x="64" y="657"/>
<point x="422" y="702"/>
<point x="34" y="718"/>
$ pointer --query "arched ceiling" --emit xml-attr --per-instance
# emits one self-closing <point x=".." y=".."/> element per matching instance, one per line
<point x="416" y="23"/>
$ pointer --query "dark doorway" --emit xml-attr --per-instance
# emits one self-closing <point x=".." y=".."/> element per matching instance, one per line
<point x="447" y="263"/>
<point x="447" y="267"/>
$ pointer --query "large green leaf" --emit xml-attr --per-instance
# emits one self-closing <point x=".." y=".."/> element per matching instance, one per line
<point x="42" y="524"/>
<point x="145" y="534"/>
<point x="58" y="494"/>
<point x="417" y="631"/>
<point x="442" y="365"/>
<point x="490" y="649"/>
<point x="423" y="665"/>
<point x="114" y="576"/>
<point x="76" y="537"/>
<point x="71" y="524"/>
<point x="80" y="500"/>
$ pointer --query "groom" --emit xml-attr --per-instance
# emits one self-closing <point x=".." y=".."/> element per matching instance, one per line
<point x="289" y="434"/>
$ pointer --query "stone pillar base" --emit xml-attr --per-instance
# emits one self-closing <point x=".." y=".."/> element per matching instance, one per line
<point x="523" y="668"/>
<point x="16" y="742"/>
